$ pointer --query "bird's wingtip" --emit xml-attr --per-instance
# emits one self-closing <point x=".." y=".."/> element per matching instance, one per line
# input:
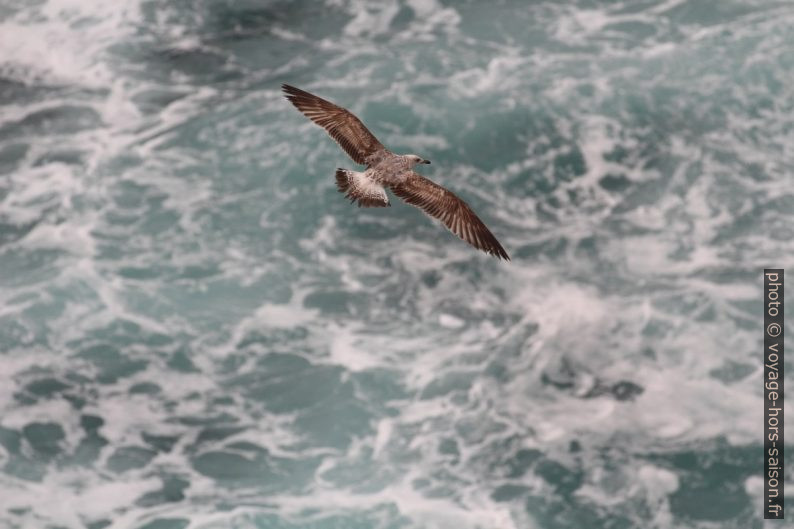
<point x="288" y="89"/>
<point x="500" y="253"/>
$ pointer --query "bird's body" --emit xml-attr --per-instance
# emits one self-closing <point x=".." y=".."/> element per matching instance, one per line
<point x="386" y="169"/>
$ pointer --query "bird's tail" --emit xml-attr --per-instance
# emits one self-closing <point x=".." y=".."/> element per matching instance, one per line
<point x="359" y="188"/>
<point x="343" y="180"/>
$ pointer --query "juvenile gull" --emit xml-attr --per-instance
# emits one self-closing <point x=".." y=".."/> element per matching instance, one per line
<point x="395" y="171"/>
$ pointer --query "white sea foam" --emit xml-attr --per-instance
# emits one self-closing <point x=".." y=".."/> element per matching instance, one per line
<point x="55" y="43"/>
<point x="445" y="364"/>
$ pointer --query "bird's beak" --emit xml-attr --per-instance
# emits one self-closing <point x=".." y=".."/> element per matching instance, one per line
<point x="426" y="161"/>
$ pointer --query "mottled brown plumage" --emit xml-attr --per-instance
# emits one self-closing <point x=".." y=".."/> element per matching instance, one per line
<point x="456" y="215"/>
<point x="395" y="171"/>
<point x="357" y="187"/>
<point x="344" y="127"/>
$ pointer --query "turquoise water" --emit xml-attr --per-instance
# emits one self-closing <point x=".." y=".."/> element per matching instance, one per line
<point x="197" y="331"/>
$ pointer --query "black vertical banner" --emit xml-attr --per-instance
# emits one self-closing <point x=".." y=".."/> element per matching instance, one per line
<point x="773" y="394"/>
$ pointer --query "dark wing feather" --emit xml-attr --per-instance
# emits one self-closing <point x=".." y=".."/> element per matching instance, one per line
<point x="452" y="211"/>
<point x="341" y="124"/>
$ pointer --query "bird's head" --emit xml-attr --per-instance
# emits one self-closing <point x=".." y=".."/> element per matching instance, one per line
<point x="414" y="159"/>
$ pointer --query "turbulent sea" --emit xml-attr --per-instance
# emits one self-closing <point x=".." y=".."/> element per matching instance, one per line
<point x="197" y="331"/>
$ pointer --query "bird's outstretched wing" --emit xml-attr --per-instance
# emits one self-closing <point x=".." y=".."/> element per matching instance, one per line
<point x="452" y="211"/>
<point x="341" y="124"/>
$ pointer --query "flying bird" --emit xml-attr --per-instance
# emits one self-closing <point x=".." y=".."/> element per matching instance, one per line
<point x="393" y="171"/>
